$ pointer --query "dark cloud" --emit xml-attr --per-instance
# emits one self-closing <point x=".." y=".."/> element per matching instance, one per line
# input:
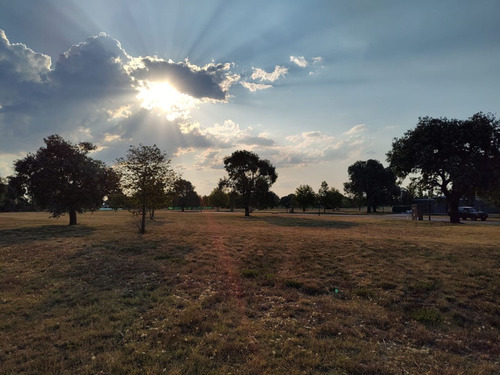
<point x="21" y="71"/>
<point x="74" y="96"/>
<point x="189" y="79"/>
<point x="92" y="69"/>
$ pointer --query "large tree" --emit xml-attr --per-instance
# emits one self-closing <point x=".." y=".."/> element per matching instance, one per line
<point x="329" y="197"/>
<point x="288" y="201"/>
<point x="4" y="188"/>
<point x="269" y="200"/>
<point x="249" y="176"/>
<point x="146" y="175"/>
<point x="305" y="197"/>
<point x="333" y="198"/>
<point x="458" y="157"/>
<point x="62" y="178"/>
<point x="372" y="183"/>
<point x="184" y="194"/>
<point x="218" y="198"/>
<point x="323" y="195"/>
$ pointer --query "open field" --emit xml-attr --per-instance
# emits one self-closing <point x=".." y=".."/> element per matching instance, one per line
<point x="219" y="293"/>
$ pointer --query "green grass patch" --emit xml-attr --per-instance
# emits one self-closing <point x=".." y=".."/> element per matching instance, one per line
<point x="250" y="273"/>
<point x="428" y="316"/>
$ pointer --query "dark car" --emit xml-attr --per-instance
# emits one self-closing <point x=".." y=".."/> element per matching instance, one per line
<point x="467" y="212"/>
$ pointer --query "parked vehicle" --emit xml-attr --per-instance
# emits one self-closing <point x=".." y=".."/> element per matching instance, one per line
<point x="467" y="212"/>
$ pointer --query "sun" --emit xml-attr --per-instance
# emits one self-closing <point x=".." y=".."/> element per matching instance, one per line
<point x="167" y="99"/>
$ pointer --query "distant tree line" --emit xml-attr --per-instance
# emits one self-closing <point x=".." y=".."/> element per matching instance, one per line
<point x="455" y="158"/>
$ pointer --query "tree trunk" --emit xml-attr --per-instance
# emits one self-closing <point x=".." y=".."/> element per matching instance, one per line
<point x="247" y="210"/>
<point x="453" y="201"/>
<point x="72" y="217"/>
<point x="143" y="218"/>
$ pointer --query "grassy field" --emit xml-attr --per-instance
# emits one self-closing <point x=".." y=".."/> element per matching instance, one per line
<point x="218" y="293"/>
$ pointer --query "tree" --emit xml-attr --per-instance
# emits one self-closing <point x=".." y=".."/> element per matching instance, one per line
<point x="62" y="178"/>
<point x="372" y="183"/>
<point x="493" y="197"/>
<point x="184" y="194"/>
<point x="145" y="174"/>
<point x="248" y="175"/>
<point x="323" y="195"/>
<point x="329" y="198"/>
<point x="333" y="199"/>
<point x="205" y="201"/>
<point x="160" y="195"/>
<point x="218" y="198"/>
<point x="4" y="188"/>
<point x="269" y="200"/>
<point x="288" y="201"/>
<point x="118" y="200"/>
<point x="457" y="157"/>
<point x="14" y="198"/>
<point x="305" y="196"/>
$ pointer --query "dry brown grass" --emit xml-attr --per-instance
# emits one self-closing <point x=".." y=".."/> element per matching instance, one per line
<point x="214" y="293"/>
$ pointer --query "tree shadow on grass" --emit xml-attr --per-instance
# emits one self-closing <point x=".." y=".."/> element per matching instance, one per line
<point x="42" y="233"/>
<point x="301" y="222"/>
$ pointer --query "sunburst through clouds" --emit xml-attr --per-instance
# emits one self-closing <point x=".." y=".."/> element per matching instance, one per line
<point x="165" y="98"/>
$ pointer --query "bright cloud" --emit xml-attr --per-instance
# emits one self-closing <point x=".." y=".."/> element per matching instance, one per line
<point x="227" y="132"/>
<point x="356" y="129"/>
<point x="317" y="60"/>
<point x="210" y="159"/>
<point x="253" y="87"/>
<point x="262" y="75"/>
<point x="299" y="60"/>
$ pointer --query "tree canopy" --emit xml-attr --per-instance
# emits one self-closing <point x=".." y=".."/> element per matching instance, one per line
<point x="184" y="194"/>
<point x="329" y="197"/>
<point x="458" y="157"/>
<point x="145" y="174"/>
<point x="305" y="197"/>
<point x="288" y="201"/>
<point x="372" y="183"/>
<point x="218" y="198"/>
<point x="249" y="176"/>
<point x="62" y="178"/>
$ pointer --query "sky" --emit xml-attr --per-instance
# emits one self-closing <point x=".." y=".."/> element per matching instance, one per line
<point x="312" y="86"/>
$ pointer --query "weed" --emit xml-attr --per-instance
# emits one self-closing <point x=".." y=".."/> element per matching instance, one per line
<point x="427" y="315"/>
<point x="426" y="286"/>
<point x="364" y="293"/>
<point x="293" y="284"/>
<point x="250" y="273"/>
